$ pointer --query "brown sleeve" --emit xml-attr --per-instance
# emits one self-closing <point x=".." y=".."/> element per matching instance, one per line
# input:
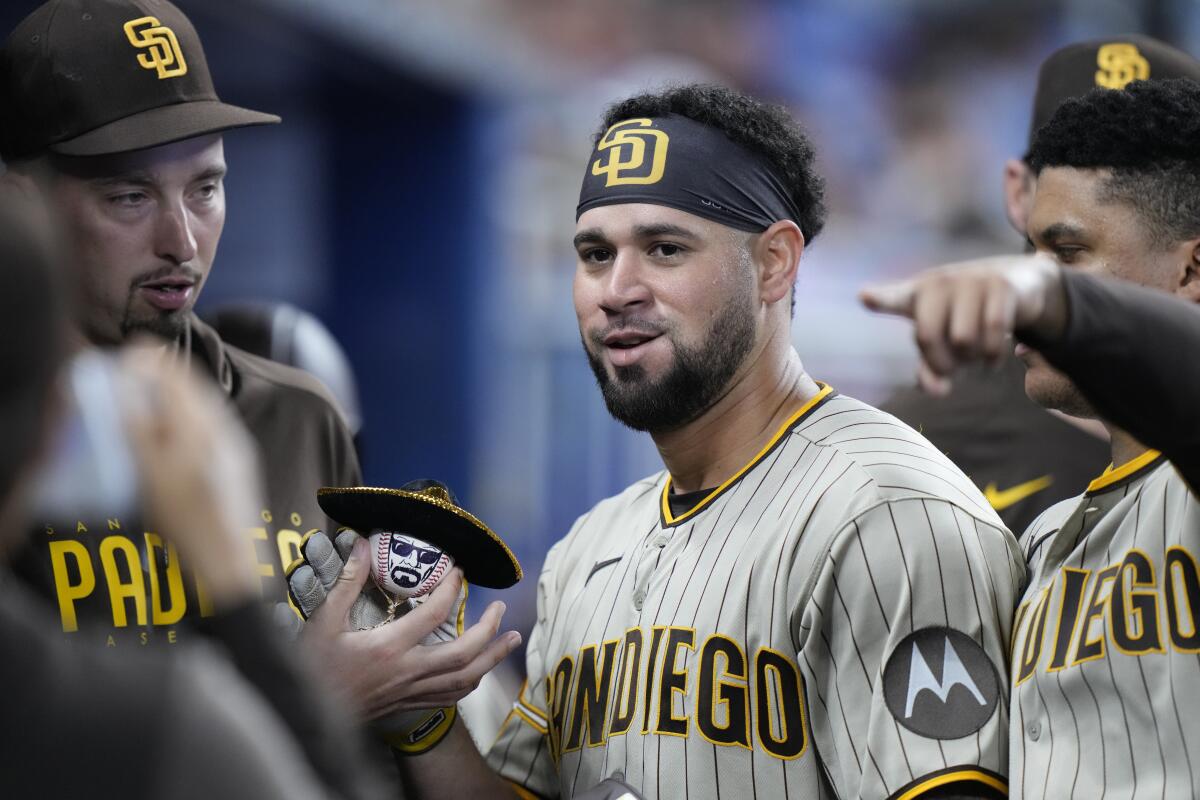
<point x="1128" y="350"/>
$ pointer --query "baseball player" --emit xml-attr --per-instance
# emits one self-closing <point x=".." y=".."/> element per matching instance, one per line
<point x="110" y="114"/>
<point x="1104" y="664"/>
<point x="1022" y="457"/>
<point x="809" y="601"/>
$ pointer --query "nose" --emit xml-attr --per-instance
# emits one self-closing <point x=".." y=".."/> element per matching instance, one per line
<point x="624" y="285"/>
<point x="174" y="239"/>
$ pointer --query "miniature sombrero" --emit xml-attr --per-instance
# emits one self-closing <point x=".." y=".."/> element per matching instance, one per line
<point x="427" y="510"/>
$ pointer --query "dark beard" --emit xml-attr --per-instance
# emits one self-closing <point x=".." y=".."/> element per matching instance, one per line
<point x="167" y="325"/>
<point x="694" y="383"/>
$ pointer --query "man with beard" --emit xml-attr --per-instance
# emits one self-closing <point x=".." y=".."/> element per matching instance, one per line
<point x="809" y="601"/>
<point x="1105" y="641"/>
<point x="110" y="116"/>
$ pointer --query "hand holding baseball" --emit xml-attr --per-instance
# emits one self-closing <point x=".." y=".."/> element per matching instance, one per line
<point x="968" y="311"/>
<point x="402" y="666"/>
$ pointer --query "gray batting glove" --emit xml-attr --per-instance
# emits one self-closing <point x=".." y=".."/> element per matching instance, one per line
<point x="310" y="578"/>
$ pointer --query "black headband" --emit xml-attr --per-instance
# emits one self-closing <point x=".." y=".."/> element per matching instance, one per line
<point x="678" y="162"/>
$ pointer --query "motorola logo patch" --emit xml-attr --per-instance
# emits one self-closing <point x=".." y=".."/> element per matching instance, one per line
<point x="939" y="683"/>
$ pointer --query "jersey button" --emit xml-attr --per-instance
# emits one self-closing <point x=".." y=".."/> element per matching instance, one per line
<point x="639" y="597"/>
<point x="1035" y="731"/>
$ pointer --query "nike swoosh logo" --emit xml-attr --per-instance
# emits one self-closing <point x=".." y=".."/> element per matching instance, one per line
<point x="599" y="565"/>
<point x="1003" y="498"/>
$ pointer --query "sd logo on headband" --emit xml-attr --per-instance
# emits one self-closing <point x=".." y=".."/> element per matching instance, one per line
<point x="1120" y="64"/>
<point x="163" y="53"/>
<point x="626" y="144"/>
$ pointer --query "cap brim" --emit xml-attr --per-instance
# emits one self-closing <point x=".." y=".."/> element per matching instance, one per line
<point x="162" y="125"/>
<point x="484" y="557"/>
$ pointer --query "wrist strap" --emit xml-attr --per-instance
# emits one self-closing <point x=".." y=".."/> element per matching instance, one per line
<point x="426" y="735"/>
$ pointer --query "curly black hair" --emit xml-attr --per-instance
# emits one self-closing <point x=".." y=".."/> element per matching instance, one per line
<point x="1148" y="135"/>
<point x="765" y="129"/>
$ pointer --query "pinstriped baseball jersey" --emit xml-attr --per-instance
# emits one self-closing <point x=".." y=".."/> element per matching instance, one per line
<point x="830" y="622"/>
<point x="1105" y="665"/>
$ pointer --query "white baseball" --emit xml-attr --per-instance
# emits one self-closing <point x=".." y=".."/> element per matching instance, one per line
<point x="404" y="566"/>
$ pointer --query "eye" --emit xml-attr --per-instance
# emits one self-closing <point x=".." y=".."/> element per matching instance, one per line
<point x="128" y="199"/>
<point x="595" y="255"/>
<point x="208" y="191"/>
<point x="1067" y="254"/>
<point x="666" y="250"/>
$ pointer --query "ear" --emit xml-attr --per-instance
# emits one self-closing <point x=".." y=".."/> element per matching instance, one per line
<point x="777" y="257"/>
<point x="1018" y="194"/>
<point x="19" y="186"/>
<point x="1189" y="284"/>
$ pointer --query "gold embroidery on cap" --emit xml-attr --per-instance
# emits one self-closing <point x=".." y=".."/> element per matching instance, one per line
<point x="627" y="153"/>
<point x="163" y="53"/>
<point x="1119" y="64"/>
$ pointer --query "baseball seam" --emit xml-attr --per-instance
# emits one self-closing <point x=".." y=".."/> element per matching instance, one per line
<point x="381" y="556"/>
<point x="435" y="577"/>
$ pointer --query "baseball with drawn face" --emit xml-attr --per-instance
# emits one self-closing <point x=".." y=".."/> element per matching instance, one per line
<point x="405" y="566"/>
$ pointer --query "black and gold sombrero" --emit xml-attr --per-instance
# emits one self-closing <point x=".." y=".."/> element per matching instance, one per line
<point x="427" y="510"/>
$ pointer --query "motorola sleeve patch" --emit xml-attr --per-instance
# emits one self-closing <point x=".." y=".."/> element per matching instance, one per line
<point x="940" y="684"/>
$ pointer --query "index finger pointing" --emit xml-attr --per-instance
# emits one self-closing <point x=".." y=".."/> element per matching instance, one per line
<point x="890" y="298"/>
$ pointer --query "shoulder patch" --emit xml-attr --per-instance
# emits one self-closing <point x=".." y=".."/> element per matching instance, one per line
<point x="939" y="683"/>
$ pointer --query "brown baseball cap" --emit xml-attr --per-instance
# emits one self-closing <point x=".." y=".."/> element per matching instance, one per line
<point x="1111" y="63"/>
<point x="93" y="77"/>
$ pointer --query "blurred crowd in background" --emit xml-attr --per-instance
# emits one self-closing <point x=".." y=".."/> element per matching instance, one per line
<point x="419" y="197"/>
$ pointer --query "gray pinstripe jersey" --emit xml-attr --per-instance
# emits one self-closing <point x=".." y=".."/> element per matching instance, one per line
<point x="1105" y="666"/>
<point x="831" y="622"/>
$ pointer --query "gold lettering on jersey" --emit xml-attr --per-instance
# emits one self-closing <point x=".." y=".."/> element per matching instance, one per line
<point x="781" y="727"/>
<point x="723" y="713"/>
<point x="625" y="703"/>
<point x="673" y="680"/>
<point x="122" y="590"/>
<point x="1125" y="605"/>
<point x="1120" y="63"/>
<point x="172" y="613"/>
<point x="626" y="144"/>
<point x="71" y="591"/>
<point x="138" y="579"/>
<point x="1036" y="620"/>
<point x="557" y="687"/>
<point x="1133" y="611"/>
<point x="1183" y="600"/>
<point x="162" y="47"/>
<point x="1016" y="627"/>
<point x="1090" y="647"/>
<point x="1071" y="606"/>
<point x="656" y="635"/>
<point x="731" y="699"/>
<point x="591" y="696"/>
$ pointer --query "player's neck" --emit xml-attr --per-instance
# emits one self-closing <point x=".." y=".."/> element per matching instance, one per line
<point x="1125" y="448"/>
<point x="708" y="451"/>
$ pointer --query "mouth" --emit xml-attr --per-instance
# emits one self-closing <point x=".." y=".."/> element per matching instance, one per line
<point x="171" y="293"/>
<point x="628" y="346"/>
<point x="403" y="576"/>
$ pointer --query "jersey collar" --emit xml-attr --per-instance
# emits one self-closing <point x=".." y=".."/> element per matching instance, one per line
<point x="1127" y="471"/>
<point x="668" y="519"/>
